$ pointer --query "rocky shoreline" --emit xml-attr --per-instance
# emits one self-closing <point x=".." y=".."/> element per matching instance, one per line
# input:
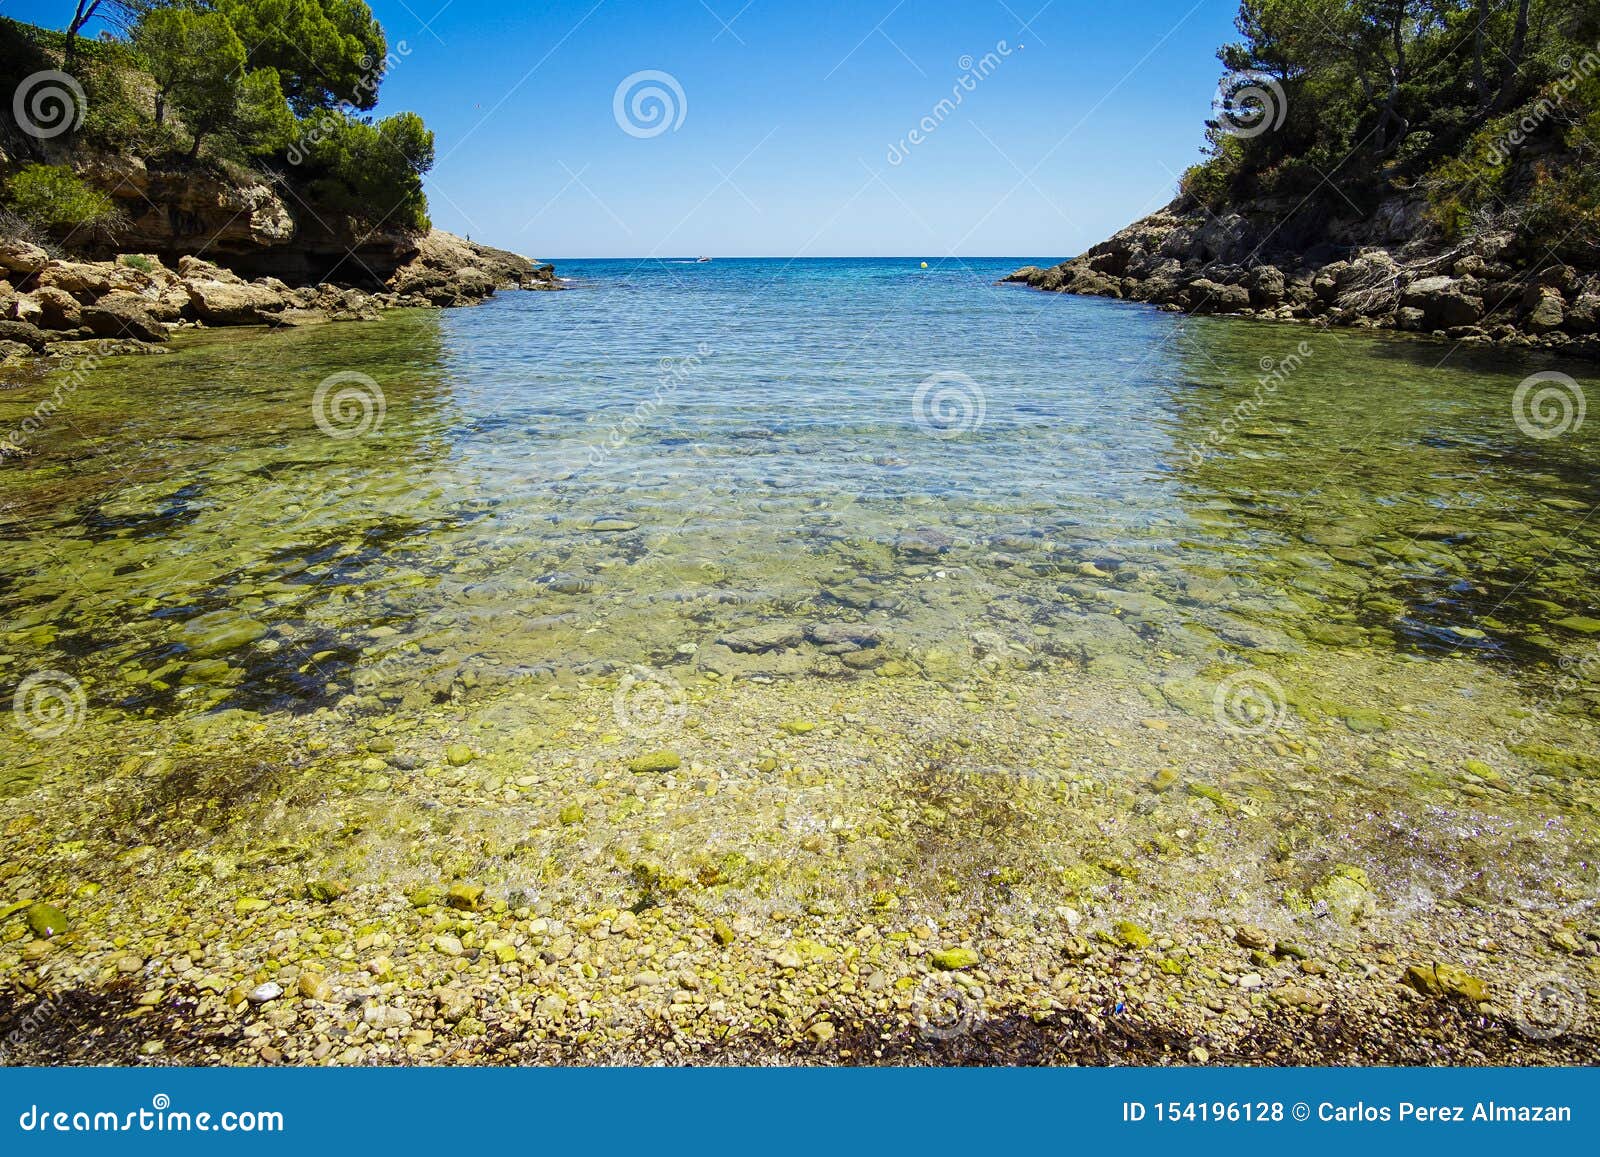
<point x="136" y="302"/>
<point x="1391" y="275"/>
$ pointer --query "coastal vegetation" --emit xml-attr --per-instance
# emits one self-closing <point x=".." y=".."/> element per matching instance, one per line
<point x="272" y="91"/>
<point x="1431" y="166"/>
<point x="1487" y="109"/>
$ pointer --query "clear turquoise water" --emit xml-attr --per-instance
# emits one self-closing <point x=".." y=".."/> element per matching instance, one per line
<point x="184" y="535"/>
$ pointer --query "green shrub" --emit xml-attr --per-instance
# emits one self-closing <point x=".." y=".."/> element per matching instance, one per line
<point x="1208" y="183"/>
<point x="370" y="171"/>
<point x="54" y="198"/>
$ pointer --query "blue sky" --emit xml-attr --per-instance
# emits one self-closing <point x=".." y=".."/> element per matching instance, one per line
<point x="789" y="114"/>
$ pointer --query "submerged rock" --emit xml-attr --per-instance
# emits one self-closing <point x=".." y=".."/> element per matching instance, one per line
<point x="761" y="638"/>
<point x="656" y="761"/>
<point x="46" y="921"/>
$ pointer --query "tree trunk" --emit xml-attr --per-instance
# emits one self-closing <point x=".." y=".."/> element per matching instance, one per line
<point x="1480" y="84"/>
<point x="81" y="15"/>
<point x="1519" y="45"/>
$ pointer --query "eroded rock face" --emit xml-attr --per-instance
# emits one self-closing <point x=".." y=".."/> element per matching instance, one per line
<point x="190" y="208"/>
<point x="1393" y="272"/>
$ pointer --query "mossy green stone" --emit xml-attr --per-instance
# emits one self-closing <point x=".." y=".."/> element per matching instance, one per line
<point x="1580" y="623"/>
<point x="425" y="896"/>
<point x="459" y="755"/>
<point x="1130" y="935"/>
<point x="1460" y="984"/>
<point x="1206" y="791"/>
<point x="656" y="761"/>
<point x="1364" y="722"/>
<point x="953" y="959"/>
<point x="1163" y="780"/>
<point x="46" y="920"/>
<point x="572" y="814"/>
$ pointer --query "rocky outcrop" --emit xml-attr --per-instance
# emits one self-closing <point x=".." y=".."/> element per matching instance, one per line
<point x="137" y="299"/>
<point x="448" y="270"/>
<point x="1389" y="272"/>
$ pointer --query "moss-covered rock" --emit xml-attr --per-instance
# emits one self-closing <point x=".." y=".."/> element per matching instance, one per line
<point x="46" y="921"/>
<point x="953" y="959"/>
<point x="656" y="761"/>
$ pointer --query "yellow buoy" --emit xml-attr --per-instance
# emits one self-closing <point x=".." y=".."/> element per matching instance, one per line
<point x="924" y="265"/>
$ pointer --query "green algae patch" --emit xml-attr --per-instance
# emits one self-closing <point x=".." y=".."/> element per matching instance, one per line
<point x="1130" y="935"/>
<point x="46" y="921"/>
<point x="1364" y="721"/>
<point x="656" y="761"/>
<point x="1580" y="623"/>
<point x="953" y="959"/>
<point x="1557" y="758"/>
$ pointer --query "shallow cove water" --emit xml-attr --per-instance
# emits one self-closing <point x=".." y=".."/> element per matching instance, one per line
<point x="675" y="451"/>
<point x="1064" y="552"/>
